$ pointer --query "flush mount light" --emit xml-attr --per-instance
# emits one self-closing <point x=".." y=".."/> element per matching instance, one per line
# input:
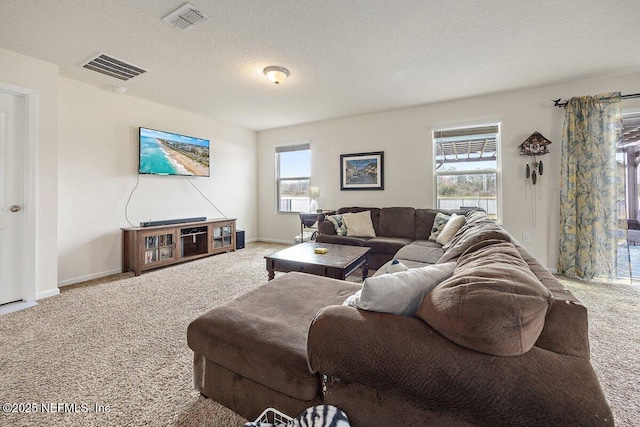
<point x="276" y="74"/>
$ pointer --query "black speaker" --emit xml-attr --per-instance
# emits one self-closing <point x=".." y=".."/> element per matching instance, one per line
<point x="239" y="239"/>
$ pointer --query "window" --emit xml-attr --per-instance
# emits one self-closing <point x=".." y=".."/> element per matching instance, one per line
<point x="466" y="167"/>
<point x="293" y="173"/>
<point x="628" y="158"/>
<point x="628" y="196"/>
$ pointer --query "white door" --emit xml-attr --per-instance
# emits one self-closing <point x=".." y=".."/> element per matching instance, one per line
<point x="12" y="181"/>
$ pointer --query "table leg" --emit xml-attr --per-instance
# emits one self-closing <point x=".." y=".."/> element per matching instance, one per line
<point x="271" y="268"/>
<point x="365" y="270"/>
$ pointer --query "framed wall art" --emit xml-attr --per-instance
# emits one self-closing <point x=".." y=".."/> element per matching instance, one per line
<point x="362" y="171"/>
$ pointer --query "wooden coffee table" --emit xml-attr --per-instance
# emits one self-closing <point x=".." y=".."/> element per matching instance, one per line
<point x="339" y="261"/>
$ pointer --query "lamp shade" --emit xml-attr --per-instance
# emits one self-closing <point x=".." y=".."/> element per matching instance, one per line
<point x="314" y="192"/>
<point x="276" y="74"/>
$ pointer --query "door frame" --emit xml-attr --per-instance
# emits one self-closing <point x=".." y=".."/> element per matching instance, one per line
<point x="28" y="265"/>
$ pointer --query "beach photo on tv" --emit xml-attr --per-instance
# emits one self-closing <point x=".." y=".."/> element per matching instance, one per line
<point x="167" y="153"/>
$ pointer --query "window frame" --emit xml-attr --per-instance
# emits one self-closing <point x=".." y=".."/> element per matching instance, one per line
<point x="632" y="179"/>
<point x="306" y="146"/>
<point x="497" y="171"/>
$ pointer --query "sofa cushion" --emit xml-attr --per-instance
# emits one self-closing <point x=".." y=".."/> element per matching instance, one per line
<point x="493" y="303"/>
<point x="450" y="229"/>
<point x="386" y="245"/>
<point x="424" y="251"/>
<point x="359" y="224"/>
<point x="424" y="222"/>
<point x="402" y="292"/>
<point x="397" y="222"/>
<point x="249" y="337"/>
<point x="439" y="222"/>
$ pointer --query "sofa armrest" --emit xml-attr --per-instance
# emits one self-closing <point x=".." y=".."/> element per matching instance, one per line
<point x="566" y="327"/>
<point x="405" y="357"/>
<point x="326" y="227"/>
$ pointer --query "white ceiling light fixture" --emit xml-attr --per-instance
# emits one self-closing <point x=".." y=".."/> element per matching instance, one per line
<point x="186" y="17"/>
<point x="276" y="74"/>
<point x="120" y="89"/>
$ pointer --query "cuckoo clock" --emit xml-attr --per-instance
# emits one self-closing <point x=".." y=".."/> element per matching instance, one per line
<point x="535" y="145"/>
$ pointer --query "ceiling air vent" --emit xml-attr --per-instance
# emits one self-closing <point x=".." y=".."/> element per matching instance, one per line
<point x="186" y="17"/>
<point x="113" y="67"/>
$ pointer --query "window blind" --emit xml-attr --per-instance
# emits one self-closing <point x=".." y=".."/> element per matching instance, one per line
<point x="298" y="147"/>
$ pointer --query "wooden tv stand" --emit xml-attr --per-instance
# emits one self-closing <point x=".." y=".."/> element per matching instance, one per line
<point x="146" y="248"/>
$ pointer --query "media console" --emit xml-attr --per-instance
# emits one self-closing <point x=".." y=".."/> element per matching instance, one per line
<point x="154" y="246"/>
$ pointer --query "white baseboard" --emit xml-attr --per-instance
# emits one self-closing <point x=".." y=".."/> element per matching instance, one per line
<point x="16" y="306"/>
<point x="75" y="280"/>
<point x="286" y="242"/>
<point x="47" y="294"/>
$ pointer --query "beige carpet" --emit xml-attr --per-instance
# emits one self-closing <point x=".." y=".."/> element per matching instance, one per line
<point x="120" y="342"/>
<point x="614" y="335"/>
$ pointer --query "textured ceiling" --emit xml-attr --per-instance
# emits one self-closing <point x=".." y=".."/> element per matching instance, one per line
<point x="346" y="57"/>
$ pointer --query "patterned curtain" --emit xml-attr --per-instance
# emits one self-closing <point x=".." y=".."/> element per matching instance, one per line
<point x="588" y="214"/>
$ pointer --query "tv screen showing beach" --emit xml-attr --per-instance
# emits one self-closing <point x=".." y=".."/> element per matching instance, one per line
<point x="166" y="153"/>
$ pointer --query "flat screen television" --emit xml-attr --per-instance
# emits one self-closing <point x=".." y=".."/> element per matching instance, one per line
<point x="167" y="153"/>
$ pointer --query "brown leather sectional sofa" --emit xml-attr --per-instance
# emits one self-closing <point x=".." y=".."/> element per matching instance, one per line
<point x="290" y="344"/>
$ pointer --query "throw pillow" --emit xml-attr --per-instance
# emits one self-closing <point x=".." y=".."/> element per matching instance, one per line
<point x="338" y="224"/>
<point x="400" y="293"/>
<point x="359" y="224"/>
<point x="396" y="266"/>
<point x="353" y="300"/>
<point x="439" y="222"/>
<point x="321" y="415"/>
<point x="450" y="229"/>
<point x="493" y="304"/>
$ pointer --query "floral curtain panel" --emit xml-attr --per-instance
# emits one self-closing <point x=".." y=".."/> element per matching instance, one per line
<point x="588" y="214"/>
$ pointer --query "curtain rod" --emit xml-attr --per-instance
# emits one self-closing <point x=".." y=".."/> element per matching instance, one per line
<point x="563" y="104"/>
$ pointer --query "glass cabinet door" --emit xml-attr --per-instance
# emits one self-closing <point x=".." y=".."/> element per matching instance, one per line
<point x="226" y="235"/>
<point x="158" y="247"/>
<point x="166" y="246"/>
<point x="222" y="236"/>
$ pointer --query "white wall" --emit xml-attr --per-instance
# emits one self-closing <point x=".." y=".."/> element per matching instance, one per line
<point x="42" y="77"/>
<point x="98" y="170"/>
<point x="404" y="136"/>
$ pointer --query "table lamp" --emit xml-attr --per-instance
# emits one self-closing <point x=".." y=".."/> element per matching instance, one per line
<point x="314" y="192"/>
